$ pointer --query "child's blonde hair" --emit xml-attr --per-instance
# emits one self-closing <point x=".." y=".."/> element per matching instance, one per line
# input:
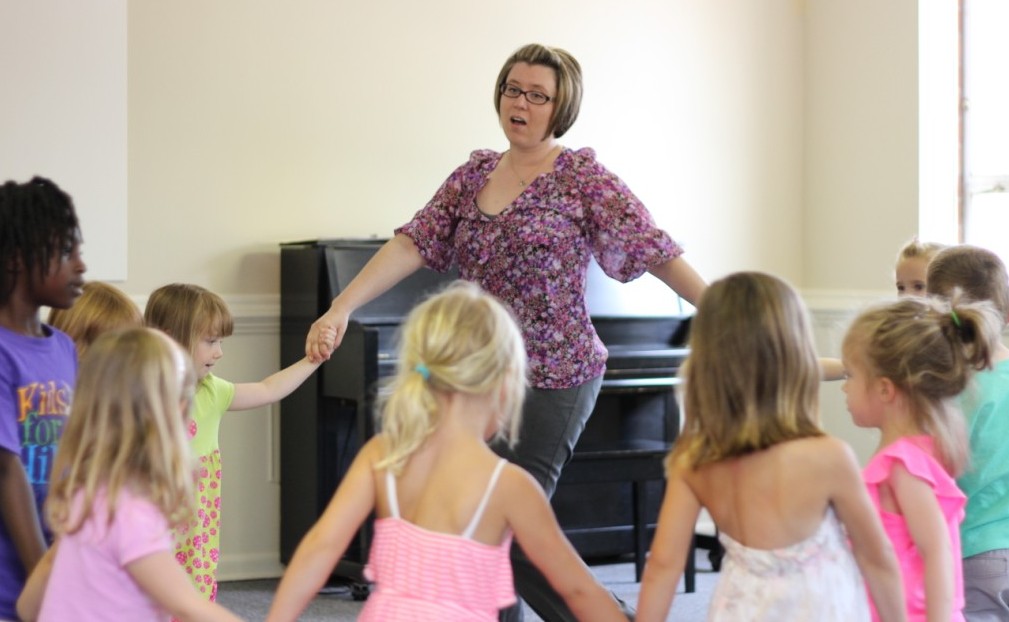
<point x="461" y="340"/>
<point x="188" y="313"/>
<point x="915" y="248"/>
<point x="928" y="348"/>
<point x="752" y="377"/>
<point x="977" y="272"/>
<point x="101" y="308"/>
<point x="127" y="428"/>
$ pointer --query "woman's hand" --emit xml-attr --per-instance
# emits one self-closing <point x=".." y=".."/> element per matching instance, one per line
<point x="326" y="334"/>
<point x="397" y="259"/>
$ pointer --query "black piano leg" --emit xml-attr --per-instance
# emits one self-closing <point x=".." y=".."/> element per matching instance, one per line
<point x="690" y="571"/>
<point x="640" y="530"/>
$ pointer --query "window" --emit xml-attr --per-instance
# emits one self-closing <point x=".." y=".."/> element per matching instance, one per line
<point x="985" y="124"/>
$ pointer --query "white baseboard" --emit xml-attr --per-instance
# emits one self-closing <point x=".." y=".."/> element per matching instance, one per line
<point x="245" y="566"/>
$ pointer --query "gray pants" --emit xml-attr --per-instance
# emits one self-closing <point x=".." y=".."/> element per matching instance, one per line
<point x="986" y="586"/>
<point x="552" y="421"/>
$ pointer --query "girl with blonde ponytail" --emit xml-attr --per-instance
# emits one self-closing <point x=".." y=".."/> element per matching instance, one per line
<point x="446" y="506"/>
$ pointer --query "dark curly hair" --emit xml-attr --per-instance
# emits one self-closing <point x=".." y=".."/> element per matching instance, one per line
<point x="39" y="222"/>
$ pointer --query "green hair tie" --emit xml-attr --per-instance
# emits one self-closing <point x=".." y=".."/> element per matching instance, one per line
<point x="956" y="319"/>
<point x="422" y="369"/>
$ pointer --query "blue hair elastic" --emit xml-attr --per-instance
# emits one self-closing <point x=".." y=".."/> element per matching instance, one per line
<point x="422" y="369"/>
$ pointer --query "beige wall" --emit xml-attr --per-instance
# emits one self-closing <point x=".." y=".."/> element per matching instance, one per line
<point x="779" y="135"/>
<point x="63" y="111"/>
<point x="253" y="123"/>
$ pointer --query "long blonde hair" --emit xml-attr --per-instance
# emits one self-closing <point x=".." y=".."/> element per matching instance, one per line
<point x="101" y="308"/>
<point x="929" y="349"/>
<point x="461" y="340"/>
<point x="752" y="377"/>
<point x="127" y="428"/>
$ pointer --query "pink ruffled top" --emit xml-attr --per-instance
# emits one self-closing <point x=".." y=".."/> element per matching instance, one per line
<point x="917" y="455"/>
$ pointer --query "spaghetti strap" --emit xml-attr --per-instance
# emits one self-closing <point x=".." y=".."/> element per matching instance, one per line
<point x="390" y="494"/>
<point x="468" y="534"/>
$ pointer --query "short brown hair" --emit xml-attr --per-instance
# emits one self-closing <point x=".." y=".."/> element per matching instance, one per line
<point x="568" y="98"/>
<point x="977" y="272"/>
<point x="187" y="313"/>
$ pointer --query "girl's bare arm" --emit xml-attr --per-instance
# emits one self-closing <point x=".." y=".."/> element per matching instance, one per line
<point x="831" y="369"/>
<point x="534" y="524"/>
<point x="30" y="600"/>
<point x="162" y="578"/>
<point x="274" y="388"/>
<point x="17" y="511"/>
<point x="670" y="547"/>
<point x="873" y="551"/>
<point x="927" y="527"/>
<point x="325" y="542"/>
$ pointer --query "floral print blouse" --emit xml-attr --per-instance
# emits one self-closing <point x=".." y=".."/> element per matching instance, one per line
<point x="535" y="254"/>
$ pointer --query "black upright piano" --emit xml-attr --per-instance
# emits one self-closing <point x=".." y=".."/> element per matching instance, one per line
<point x="643" y="325"/>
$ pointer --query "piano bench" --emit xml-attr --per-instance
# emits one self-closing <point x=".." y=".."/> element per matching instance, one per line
<point x="627" y="460"/>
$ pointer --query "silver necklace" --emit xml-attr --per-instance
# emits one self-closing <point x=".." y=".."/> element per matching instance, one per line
<point x="536" y="166"/>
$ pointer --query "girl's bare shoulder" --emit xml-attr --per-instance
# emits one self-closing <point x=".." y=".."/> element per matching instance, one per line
<point x="375" y="449"/>
<point x="812" y="451"/>
<point x="516" y="483"/>
<point x="823" y="452"/>
<point x="816" y="444"/>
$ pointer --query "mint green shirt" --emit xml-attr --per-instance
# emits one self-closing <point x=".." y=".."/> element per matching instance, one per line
<point x="986" y="481"/>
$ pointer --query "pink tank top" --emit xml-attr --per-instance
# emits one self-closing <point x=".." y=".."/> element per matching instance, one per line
<point x="426" y="575"/>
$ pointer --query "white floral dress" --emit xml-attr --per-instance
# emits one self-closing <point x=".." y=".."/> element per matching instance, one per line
<point x="816" y="579"/>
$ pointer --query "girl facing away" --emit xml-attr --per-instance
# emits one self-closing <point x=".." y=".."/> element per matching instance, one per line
<point x="199" y="320"/>
<point x="786" y="498"/>
<point x="101" y="308"/>
<point x="122" y="476"/>
<point x="906" y="363"/>
<point x="446" y="505"/>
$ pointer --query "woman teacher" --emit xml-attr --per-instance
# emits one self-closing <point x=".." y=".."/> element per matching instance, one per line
<point x="524" y="224"/>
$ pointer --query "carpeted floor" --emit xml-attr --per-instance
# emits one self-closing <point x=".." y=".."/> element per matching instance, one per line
<point x="251" y="599"/>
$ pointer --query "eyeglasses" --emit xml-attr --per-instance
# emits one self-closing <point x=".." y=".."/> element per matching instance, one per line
<point x="533" y="97"/>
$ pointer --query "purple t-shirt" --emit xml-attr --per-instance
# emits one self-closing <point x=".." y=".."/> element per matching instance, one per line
<point x="37" y="376"/>
<point x="535" y="254"/>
